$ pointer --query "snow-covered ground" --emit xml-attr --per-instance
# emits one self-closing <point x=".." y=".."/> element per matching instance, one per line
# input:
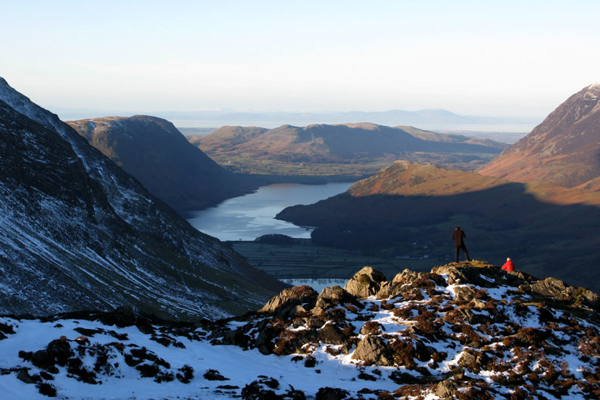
<point x="430" y="330"/>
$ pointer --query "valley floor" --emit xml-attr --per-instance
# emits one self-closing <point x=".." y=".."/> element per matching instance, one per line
<point x="304" y="260"/>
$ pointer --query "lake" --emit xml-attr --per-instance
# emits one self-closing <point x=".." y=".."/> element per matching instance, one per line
<point x="317" y="284"/>
<point x="253" y="215"/>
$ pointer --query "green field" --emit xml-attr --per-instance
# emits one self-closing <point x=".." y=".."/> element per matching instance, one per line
<point x="305" y="260"/>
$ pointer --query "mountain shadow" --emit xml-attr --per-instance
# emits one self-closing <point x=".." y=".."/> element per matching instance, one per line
<point x="507" y="220"/>
<point x="156" y="153"/>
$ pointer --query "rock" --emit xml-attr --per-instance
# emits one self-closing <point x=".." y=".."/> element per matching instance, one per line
<point x="446" y="389"/>
<point x="371" y="328"/>
<point x="423" y="351"/>
<point x="385" y="290"/>
<point x="331" y="297"/>
<point x="327" y="393"/>
<point x="465" y="293"/>
<point x="315" y="322"/>
<point x="24" y="376"/>
<point x="551" y="287"/>
<point x="557" y="289"/>
<point x="331" y="334"/>
<point x="407" y="276"/>
<point x="214" y="375"/>
<point x="60" y="351"/>
<point x="478" y="304"/>
<point x="296" y="295"/>
<point x="471" y="273"/>
<point x="373" y="350"/>
<point x="473" y="361"/>
<point x="365" y="283"/>
<point x="516" y="278"/>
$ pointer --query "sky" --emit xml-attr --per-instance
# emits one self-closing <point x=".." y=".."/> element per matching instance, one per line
<point x="497" y="58"/>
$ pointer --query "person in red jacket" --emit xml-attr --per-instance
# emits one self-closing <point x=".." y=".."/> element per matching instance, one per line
<point x="508" y="265"/>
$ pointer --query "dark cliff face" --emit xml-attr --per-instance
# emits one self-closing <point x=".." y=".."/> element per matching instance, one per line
<point x="564" y="149"/>
<point x="156" y="153"/>
<point x="77" y="232"/>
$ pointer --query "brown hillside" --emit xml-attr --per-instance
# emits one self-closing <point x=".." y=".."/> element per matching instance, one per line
<point x="564" y="149"/>
<point x="351" y="149"/>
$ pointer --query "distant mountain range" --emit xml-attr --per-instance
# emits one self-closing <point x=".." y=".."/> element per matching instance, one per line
<point x="77" y="232"/>
<point x="563" y="149"/>
<point x="428" y="118"/>
<point x="549" y="228"/>
<point x="155" y="152"/>
<point x="353" y="149"/>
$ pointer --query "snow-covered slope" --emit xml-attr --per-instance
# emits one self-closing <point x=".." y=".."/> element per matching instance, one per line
<point x="77" y="232"/>
<point x="463" y="331"/>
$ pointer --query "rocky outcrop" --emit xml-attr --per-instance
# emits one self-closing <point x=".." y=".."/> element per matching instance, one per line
<point x="557" y="289"/>
<point x="441" y="339"/>
<point x="290" y="300"/>
<point x="365" y="283"/>
<point x="373" y="350"/>
<point x="333" y="296"/>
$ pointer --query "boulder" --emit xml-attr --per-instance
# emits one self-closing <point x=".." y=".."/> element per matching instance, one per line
<point x="327" y="393"/>
<point x="385" y="290"/>
<point x="365" y="283"/>
<point x="24" y="376"/>
<point x="465" y="293"/>
<point x="407" y="276"/>
<point x="331" y="334"/>
<point x="373" y="350"/>
<point x="477" y="273"/>
<point x="446" y="389"/>
<point x="423" y="351"/>
<point x="557" y="289"/>
<point x="290" y="297"/>
<point x="551" y="287"/>
<point x="333" y="296"/>
<point x="473" y="360"/>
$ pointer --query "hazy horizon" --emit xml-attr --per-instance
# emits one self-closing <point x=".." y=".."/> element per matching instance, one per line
<point x="512" y="58"/>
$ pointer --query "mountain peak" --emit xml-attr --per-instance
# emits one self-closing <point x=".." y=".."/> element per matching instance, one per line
<point x="562" y="149"/>
<point x="594" y="86"/>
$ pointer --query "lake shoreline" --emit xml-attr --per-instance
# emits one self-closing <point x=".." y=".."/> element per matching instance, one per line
<point x="252" y="215"/>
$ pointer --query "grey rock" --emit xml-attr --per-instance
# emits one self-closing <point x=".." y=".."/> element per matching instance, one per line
<point x="373" y="349"/>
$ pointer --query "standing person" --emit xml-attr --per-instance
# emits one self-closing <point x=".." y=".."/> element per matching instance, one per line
<point x="458" y="235"/>
<point x="508" y="265"/>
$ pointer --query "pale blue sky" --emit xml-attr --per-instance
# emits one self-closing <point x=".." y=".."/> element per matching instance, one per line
<point x="505" y="57"/>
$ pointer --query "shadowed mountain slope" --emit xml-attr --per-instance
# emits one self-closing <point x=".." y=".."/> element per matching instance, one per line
<point x="156" y="153"/>
<point x="78" y="232"/>
<point x="564" y="149"/>
<point x="410" y="203"/>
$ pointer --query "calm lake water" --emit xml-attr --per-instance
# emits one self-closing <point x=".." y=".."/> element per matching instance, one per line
<point x="253" y="215"/>
<point x="317" y="284"/>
